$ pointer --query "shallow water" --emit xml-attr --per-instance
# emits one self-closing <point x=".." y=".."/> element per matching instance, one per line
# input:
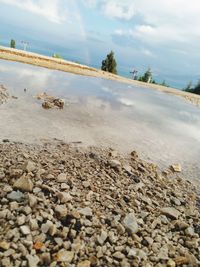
<point x="161" y="127"/>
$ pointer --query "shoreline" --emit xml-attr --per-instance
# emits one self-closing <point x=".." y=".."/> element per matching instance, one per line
<point x="75" y="68"/>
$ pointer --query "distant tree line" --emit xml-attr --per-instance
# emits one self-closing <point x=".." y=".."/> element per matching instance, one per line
<point x="109" y="64"/>
<point x="193" y="89"/>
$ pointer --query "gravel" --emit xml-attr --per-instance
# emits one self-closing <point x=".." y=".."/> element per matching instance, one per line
<point x="61" y="205"/>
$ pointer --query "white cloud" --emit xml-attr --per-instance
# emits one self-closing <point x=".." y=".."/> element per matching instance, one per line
<point x="119" y="9"/>
<point x="161" y="21"/>
<point x="90" y="3"/>
<point x="147" y="52"/>
<point x="52" y="10"/>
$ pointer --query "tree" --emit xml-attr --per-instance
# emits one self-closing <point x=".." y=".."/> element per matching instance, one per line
<point x="189" y="88"/>
<point x="164" y="84"/>
<point x="109" y="64"/>
<point x="147" y="77"/>
<point x="197" y="88"/>
<point x="12" y="43"/>
<point x="57" y="56"/>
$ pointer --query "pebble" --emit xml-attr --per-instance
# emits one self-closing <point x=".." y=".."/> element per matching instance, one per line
<point x="30" y="166"/>
<point x="45" y="258"/>
<point x="171" y="263"/>
<point x="64" y="256"/>
<point x="4" y="245"/>
<point x="86" y="211"/>
<point x="32" y="200"/>
<point x="114" y="163"/>
<point x="176" y="167"/>
<point x="189" y="231"/>
<point x="21" y="219"/>
<point x="24" y="184"/>
<point x="16" y="196"/>
<point x="130" y="223"/>
<point x="64" y="197"/>
<point x="85" y="263"/>
<point x="102" y="238"/>
<point x="118" y="255"/>
<point x="62" y="177"/>
<point x="25" y="230"/>
<point x="32" y="260"/>
<point x="170" y="212"/>
<point x="61" y="210"/>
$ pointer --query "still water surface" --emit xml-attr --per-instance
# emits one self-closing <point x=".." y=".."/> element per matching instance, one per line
<point x="163" y="128"/>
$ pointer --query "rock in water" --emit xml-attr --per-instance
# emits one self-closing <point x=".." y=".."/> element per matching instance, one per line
<point x="130" y="223"/>
<point x="24" y="184"/>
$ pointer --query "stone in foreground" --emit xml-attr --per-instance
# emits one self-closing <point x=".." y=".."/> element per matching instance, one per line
<point x="130" y="223"/>
<point x="24" y="184"/>
<point x="171" y="212"/>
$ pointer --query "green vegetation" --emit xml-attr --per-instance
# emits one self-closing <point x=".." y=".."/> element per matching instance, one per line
<point x="195" y="90"/>
<point x="147" y="77"/>
<point x="12" y="43"/>
<point x="57" y="56"/>
<point x="109" y="64"/>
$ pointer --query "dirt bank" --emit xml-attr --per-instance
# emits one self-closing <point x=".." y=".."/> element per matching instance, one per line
<point x="62" y="205"/>
<point x="67" y="66"/>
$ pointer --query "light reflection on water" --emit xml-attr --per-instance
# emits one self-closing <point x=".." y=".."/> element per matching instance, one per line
<point x="162" y="127"/>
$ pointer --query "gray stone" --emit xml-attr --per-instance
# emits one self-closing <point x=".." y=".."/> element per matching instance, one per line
<point x="25" y="230"/>
<point x="102" y="238"/>
<point x="16" y="196"/>
<point x="130" y="223"/>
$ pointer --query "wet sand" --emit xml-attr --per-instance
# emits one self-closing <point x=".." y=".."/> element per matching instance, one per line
<point x="67" y="66"/>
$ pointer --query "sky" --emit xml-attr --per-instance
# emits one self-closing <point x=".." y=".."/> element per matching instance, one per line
<point x="161" y="34"/>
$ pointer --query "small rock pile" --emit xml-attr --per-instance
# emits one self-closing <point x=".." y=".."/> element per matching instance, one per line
<point x="4" y="95"/>
<point x="50" y="102"/>
<point x="66" y="206"/>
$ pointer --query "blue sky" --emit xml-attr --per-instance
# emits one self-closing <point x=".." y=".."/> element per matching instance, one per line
<point x="161" y="34"/>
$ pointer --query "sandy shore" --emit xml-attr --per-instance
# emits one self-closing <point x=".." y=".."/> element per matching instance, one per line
<point x="67" y="66"/>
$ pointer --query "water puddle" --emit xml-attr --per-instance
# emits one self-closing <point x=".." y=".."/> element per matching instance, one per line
<point x="161" y="127"/>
